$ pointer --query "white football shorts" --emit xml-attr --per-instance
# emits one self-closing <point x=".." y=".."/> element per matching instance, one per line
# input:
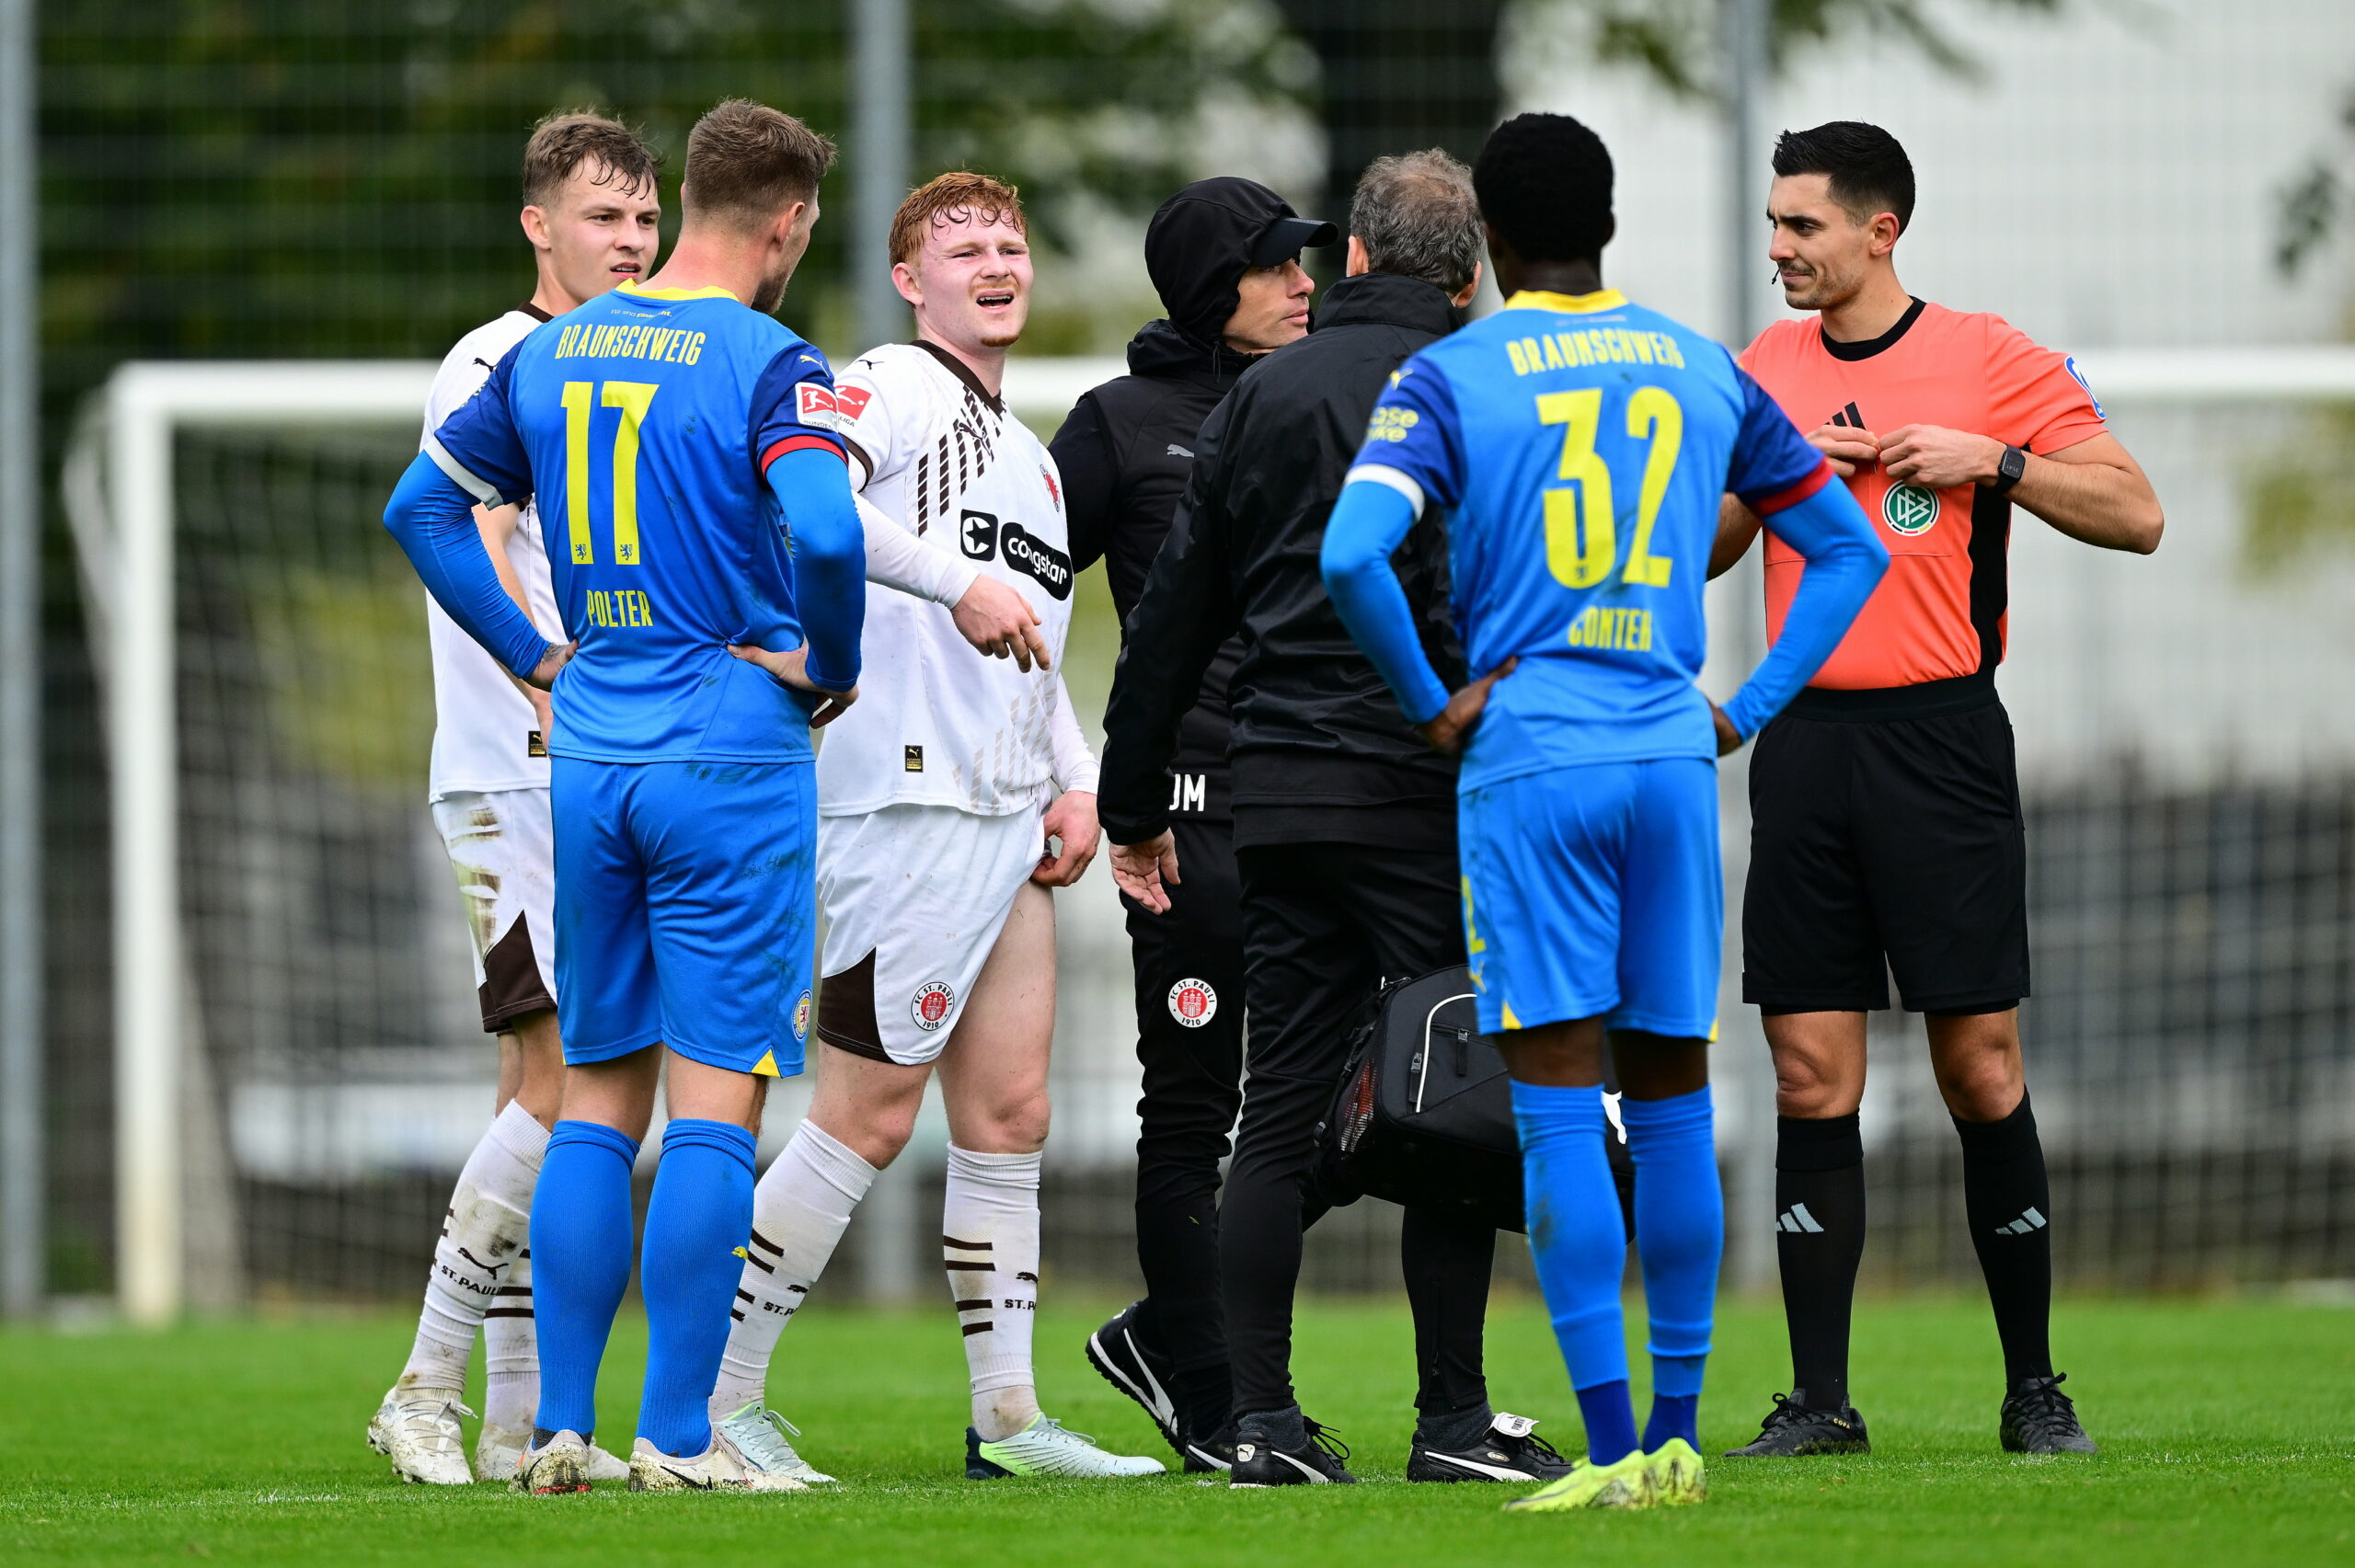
<point x="502" y="845"/>
<point x="915" y="898"/>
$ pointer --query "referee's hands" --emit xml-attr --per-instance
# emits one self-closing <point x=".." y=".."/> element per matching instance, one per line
<point x="999" y="622"/>
<point x="1846" y="447"/>
<point x="791" y="669"/>
<point x="1142" y="868"/>
<point x="1452" y="725"/>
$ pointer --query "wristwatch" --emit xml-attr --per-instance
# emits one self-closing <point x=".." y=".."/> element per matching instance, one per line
<point x="2009" y="468"/>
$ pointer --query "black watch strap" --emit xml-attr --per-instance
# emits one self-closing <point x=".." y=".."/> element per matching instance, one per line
<point x="2009" y="468"/>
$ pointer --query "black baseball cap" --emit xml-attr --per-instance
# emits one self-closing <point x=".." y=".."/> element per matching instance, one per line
<point x="1287" y="237"/>
<point x="1202" y="240"/>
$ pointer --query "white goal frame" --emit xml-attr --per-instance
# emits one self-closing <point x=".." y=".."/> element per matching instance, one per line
<point x="119" y="486"/>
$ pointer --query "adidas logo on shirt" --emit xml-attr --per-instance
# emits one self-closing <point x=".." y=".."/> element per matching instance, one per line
<point x="2028" y="1223"/>
<point x="1796" y="1218"/>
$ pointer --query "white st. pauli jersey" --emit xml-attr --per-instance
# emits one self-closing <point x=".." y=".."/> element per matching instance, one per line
<point x="483" y="728"/>
<point x="938" y="723"/>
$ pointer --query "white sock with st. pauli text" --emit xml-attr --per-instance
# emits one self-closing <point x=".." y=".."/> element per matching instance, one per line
<point x="989" y="1245"/>
<point x="799" y="1211"/>
<point x="479" y="1260"/>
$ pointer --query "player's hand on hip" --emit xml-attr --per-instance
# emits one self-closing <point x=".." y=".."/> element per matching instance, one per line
<point x="1072" y="818"/>
<point x="1142" y="868"/>
<point x="1846" y="448"/>
<point x="1729" y="737"/>
<point x="1937" y="459"/>
<point x="1452" y="725"/>
<point x="792" y="670"/>
<point x="997" y="619"/>
<point x="544" y="673"/>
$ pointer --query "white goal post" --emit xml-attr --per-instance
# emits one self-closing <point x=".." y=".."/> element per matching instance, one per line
<point x="119" y="488"/>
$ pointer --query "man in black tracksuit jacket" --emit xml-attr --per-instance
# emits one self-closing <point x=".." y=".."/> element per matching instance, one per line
<point x="1124" y="454"/>
<point x="1344" y="819"/>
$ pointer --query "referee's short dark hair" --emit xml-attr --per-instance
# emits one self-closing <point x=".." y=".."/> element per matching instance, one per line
<point x="1867" y="170"/>
<point x="1545" y="185"/>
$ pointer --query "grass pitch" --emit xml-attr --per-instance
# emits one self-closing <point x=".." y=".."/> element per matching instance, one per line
<point x="2228" y="1430"/>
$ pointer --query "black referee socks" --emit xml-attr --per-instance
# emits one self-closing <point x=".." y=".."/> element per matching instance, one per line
<point x="1820" y="1237"/>
<point x="2009" y="1203"/>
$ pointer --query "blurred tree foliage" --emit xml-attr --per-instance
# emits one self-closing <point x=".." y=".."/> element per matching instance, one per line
<point x="1675" y="42"/>
<point x="269" y="178"/>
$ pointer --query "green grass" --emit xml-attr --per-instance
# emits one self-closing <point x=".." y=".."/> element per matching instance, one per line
<point x="2226" y="1425"/>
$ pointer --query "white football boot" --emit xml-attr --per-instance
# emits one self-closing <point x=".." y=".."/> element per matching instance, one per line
<point x="1043" y="1448"/>
<point x="559" y="1468"/>
<point x="418" y="1430"/>
<point x="498" y="1448"/>
<point x="759" y="1435"/>
<point x="720" y="1467"/>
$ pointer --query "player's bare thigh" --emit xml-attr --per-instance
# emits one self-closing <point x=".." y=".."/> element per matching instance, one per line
<point x="992" y="1068"/>
<point x="993" y="1071"/>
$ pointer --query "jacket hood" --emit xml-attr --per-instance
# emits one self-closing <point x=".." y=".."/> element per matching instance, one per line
<point x="1161" y="350"/>
<point x="1202" y="240"/>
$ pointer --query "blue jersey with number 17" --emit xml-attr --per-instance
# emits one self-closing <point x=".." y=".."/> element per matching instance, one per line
<point x="645" y="422"/>
<point x="1580" y="445"/>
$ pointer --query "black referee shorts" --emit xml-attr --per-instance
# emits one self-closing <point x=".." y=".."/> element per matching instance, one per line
<point x="1886" y="845"/>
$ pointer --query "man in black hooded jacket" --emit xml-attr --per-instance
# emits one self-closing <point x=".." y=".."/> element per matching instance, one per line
<point x="1344" y="818"/>
<point x="1224" y="253"/>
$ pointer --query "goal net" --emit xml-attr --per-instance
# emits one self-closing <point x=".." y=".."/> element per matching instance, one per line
<point x="299" y="1068"/>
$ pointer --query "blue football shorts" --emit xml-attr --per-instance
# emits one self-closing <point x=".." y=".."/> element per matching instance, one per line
<point x="684" y="910"/>
<point x="1595" y="890"/>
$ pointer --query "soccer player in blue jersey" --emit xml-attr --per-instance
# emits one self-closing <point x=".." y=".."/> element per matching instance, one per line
<point x="1581" y="444"/>
<point x="706" y="556"/>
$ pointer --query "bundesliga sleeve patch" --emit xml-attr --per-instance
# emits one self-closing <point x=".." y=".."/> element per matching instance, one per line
<point x="817" y="406"/>
<point x="1193" y="1003"/>
<point x="852" y="401"/>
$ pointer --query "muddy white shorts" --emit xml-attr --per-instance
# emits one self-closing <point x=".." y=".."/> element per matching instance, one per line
<point x="915" y="898"/>
<point x="502" y="845"/>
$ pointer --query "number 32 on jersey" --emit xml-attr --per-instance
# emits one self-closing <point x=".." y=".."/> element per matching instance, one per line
<point x="1581" y="523"/>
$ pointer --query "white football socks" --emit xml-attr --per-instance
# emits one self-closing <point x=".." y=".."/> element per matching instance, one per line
<point x="988" y="1221"/>
<point x="478" y="1259"/>
<point x="799" y="1210"/>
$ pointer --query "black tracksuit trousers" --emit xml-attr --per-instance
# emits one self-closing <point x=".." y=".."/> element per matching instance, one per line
<point x="1323" y="925"/>
<point x="1190" y="1042"/>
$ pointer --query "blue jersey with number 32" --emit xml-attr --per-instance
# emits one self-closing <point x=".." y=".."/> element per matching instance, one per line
<point x="1580" y="445"/>
<point x="645" y="421"/>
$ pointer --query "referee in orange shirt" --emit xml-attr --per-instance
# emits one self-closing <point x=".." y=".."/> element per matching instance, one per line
<point x="1885" y="801"/>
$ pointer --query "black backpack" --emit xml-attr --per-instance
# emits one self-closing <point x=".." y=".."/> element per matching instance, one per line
<point x="1424" y="1113"/>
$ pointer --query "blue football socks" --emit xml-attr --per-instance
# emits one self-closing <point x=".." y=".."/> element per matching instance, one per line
<point x="1680" y="1235"/>
<point x="580" y="1246"/>
<point x="1579" y="1246"/>
<point x="696" y="1226"/>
